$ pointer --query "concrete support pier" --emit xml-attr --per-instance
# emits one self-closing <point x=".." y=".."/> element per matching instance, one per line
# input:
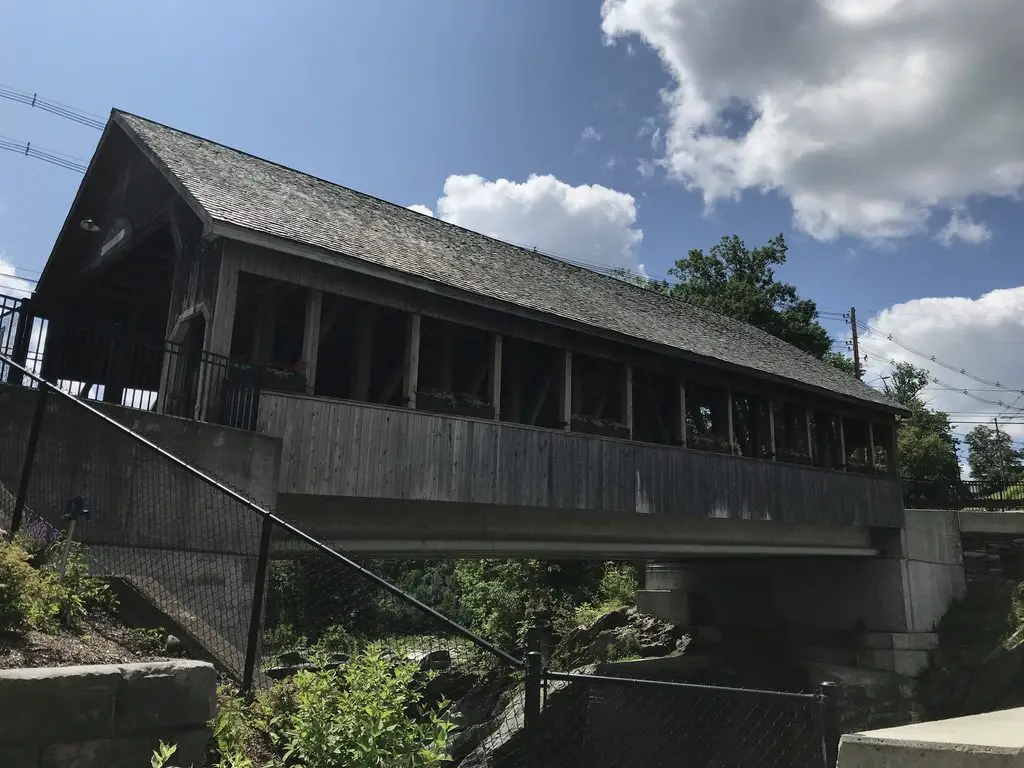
<point x="666" y="592"/>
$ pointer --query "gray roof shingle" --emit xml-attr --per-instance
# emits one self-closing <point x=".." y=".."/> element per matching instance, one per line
<point x="242" y="190"/>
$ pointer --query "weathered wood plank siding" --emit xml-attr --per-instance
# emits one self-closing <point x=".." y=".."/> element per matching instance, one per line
<point x="342" y="448"/>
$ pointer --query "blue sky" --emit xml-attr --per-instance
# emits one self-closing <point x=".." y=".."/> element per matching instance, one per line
<point x="396" y="96"/>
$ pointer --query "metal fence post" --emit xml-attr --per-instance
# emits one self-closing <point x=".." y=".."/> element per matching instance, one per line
<point x="830" y="723"/>
<point x="531" y="712"/>
<point x="30" y="457"/>
<point x="256" y="616"/>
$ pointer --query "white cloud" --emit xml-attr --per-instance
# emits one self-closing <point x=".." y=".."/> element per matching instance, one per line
<point x="421" y="209"/>
<point x="10" y="283"/>
<point x="590" y="134"/>
<point x="982" y="336"/>
<point x="962" y="227"/>
<point x="646" y="168"/>
<point x="868" y="115"/>
<point x="588" y="222"/>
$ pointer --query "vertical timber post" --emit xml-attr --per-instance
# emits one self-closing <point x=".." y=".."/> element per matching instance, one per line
<point x="259" y="590"/>
<point x="773" y="452"/>
<point x="682" y="412"/>
<point x="808" y="413"/>
<point x="412" y="360"/>
<point x="531" y="712"/>
<point x="732" y="432"/>
<point x="830" y="730"/>
<point x="842" y="443"/>
<point x="311" y="336"/>
<point x="871" y="446"/>
<point x="565" y="394"/>
<point x="30" y="457"/>
<point x="496" y="375"/>
<point x="627" y="400"/>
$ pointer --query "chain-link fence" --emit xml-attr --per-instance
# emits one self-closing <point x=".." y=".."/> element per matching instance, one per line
<point x="614" y="722"/>
<point x="265" y="601"/>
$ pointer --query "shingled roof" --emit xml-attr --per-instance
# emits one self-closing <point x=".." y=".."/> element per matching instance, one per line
<point x="238" y="189"/>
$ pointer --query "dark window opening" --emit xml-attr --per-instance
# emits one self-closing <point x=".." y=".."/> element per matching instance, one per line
<point x="656" y="403"/>
<point x="531" y="376"/>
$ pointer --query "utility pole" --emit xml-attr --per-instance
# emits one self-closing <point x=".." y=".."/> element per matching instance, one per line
<point x="856" y="346"/>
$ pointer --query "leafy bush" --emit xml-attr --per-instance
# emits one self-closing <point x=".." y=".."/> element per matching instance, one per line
<point x="23" y="598"/>
<point x="617" y="590"/>
<point x="34" y="596"/>
<point x="367" y="714"/>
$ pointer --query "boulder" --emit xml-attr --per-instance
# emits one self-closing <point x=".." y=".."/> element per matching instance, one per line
<point x="624" y="631"/>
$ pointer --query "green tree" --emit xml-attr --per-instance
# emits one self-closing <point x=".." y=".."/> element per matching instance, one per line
<point x="740" y="282"/>
<point x="993" y="458"/>
<point x="927" y="446"/>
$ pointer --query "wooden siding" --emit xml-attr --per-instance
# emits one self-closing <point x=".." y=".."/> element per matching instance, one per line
<point x="344" y="448"/>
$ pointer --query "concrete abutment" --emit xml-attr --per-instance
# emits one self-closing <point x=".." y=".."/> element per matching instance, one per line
<point x="873" y="613"/>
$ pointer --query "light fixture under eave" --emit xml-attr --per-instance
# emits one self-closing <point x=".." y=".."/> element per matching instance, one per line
<point x="89" y="225"/>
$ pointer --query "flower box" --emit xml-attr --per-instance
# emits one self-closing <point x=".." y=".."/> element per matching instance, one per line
<point x="454" y="404"/>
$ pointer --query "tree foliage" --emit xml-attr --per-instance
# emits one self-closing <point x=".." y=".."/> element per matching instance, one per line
<point x="994" y="459"/>
<point x="740" y="282"/>
<point x="927" y="446"/>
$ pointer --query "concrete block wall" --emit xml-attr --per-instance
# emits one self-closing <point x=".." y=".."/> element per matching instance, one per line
<point x="105" y="716"/>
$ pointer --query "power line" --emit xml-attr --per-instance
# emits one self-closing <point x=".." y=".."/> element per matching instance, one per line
<point x="79" y="116"/>
<point x="937" y="360"/>
<point x="966" y="392"/>
<point x="40" y="153"/>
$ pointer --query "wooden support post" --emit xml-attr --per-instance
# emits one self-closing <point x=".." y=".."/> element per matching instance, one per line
<point x="732" y="436"/>
<point x="627" y="400"/>
<point x="810" y="435"/>
<point x="894" y="451"/>
<point x="363" y="354"/>
<point x="496" y="375"/>
<point x="682" y="412"/>
<point x="311" y="336"/>
<point x="412" y="360"/>
<point x="871" y="446"/>
<point x="772" y="451"/>
<point x="565" y="393"/>
<point x="842" y="445"/>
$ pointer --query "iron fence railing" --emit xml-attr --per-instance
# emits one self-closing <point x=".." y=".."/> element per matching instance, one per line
<point x="113" y="364"/>
<point x="963" y="495"/>
<point x="265" y="600"/>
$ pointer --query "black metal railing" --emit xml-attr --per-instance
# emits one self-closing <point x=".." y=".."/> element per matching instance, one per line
<point x="963" y="495"/>
<point x="113" y="364"/>
<point x="264" y="600"/>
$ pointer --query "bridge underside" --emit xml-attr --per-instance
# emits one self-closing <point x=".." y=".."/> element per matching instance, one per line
<point x="393" y="528"/>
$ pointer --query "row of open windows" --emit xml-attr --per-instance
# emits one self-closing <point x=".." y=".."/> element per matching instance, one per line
<point x="363" y="354"/>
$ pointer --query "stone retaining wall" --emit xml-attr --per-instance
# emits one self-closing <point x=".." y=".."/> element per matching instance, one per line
<point x="105" y="716"/>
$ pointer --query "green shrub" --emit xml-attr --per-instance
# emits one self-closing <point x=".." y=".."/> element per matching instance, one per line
<point x="617" y="590"/>
<point x="367" y="714"/>
<point x="359" y="716"/>
<point x="22" y="591"/>
<point x="33" y="595"/>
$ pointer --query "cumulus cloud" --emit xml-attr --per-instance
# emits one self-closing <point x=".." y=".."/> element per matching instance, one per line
<point x="421" y="209"/>
<point x="868" y="115"/>
<point x="962" y="227"/>
<point x="982" y="336"/>
<point x="590" y="134"/>
<point x="589" y="222"/>
<point x="10" y="283"/>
